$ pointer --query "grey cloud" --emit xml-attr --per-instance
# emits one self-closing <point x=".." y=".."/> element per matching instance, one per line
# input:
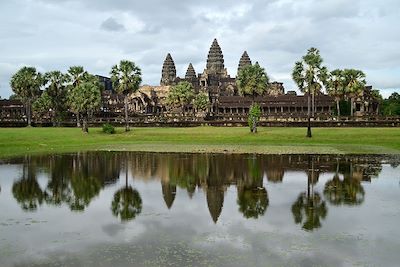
<point x="111" y="24"/>
<point x="98" y="33"/>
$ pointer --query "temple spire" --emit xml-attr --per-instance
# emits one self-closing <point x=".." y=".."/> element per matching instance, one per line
<point x="168" y="74"/>
<point x="244" y="61"/>
<point x="215" y="59"/>
<point x="190" y="73"/>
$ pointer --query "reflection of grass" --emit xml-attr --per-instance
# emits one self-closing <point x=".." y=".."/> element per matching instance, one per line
<point x="19" y="141"/>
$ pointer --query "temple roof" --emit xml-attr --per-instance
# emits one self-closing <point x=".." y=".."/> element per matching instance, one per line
<point x="244" y="61"/>
<point x="168" y="73"/>
<point x="190" y="73"/>
<point x="215" y="59"/>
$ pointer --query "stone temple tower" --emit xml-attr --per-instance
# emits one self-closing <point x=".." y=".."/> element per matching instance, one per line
<point x="168" y="74"/>
<point x="190" y="73"/>
<point x="215" y="59"/>
<point x="244" y="61"/>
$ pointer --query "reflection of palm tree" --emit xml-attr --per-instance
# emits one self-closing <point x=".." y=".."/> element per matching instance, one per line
<point x="252" y="195"/>
<point x="85" y="189"/>
<point x="127" y="203"/>
<point x="309" y="208"/>
<point x="253" y="202"/>
<point x="27" y="191"/>
<point x="348" y="192"/>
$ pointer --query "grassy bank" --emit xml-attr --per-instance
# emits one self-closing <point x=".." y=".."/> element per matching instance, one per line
<point x="19" y="141"/>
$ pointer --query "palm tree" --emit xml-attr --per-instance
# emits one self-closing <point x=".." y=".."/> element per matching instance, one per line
<point x="85" y="99"/>
<point x="126" y="78"/>
<point x="26" y="84"/>
<point x="252" y="80"/>
<point x="76" y="77"/>
<point x="335" y="87"/>
<point x="57" y="91"/>
<point x="354" y="81"/>
<point x="310" y="76"/>
<point x="181" y="95"/>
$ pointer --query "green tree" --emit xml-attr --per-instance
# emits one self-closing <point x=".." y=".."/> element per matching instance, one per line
<point x="252" y="80"/>
<point x="76" y="75"/>
<point x="56" y="88"/>
<point x="26" y="84"/>
<point x="310" y="77"/>
<point x="85" y="99"/>
<point x="254" y="117"/>
<point x="335" y="87"/>
<point x="354" y="81"/>
<point x="391" y="105"/>
<point x="126" y="78"/>
<point x="180" y="95"/>
<point x="42" y="105"/>
<point x="201" y="102"/>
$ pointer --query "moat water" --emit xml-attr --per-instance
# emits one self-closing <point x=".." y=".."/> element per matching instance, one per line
<point x="152" y="209"/>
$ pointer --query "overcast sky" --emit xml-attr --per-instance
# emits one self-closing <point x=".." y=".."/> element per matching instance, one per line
<point x="56" y="34"/>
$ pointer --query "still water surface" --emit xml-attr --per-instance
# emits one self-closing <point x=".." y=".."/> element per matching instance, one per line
<point x="152" y="209"/>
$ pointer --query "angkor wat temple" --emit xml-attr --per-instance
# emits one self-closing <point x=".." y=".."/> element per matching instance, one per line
<point x="226" y="104"/>
<point x="223" y="93"/>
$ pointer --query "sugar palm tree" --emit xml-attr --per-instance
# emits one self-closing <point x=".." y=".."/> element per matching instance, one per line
<point x="310" y="77"/>
<point x="26" y="84"/>
<point x="56" y="89"/>
<point x="354" y="81"/>
<point x="252" y="80"/>
<point x="76" y="77"/>
<point x="126" y="78"/>
<point x="335" y="87"/>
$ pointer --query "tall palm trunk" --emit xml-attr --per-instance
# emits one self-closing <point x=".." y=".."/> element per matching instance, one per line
<point x="29" y="112"/>
<point x="308" y="115"/>
<point x="253" y="127"/>
<point x="352" y="106"/>
<point x="126" y="114"/>
<point x="313" y="104"/>
<point x="338" y="107"/>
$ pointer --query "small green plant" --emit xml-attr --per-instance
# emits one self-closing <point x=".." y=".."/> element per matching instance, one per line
<point x="108" y="128"/>
<point x="254" y="117"/>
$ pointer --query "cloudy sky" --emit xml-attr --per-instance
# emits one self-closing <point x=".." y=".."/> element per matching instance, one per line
<point x="56" y="34"/>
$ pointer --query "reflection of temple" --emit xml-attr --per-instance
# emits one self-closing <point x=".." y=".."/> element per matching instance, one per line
<point x="75" y="179"/>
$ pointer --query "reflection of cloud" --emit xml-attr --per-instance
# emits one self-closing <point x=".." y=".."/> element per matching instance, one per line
<point x="113" y="229"/>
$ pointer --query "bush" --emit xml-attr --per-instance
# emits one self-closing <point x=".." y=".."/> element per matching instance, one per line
<point x="108" y="128"/>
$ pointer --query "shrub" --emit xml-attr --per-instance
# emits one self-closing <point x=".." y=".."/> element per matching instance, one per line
<point x="108" y="128"/>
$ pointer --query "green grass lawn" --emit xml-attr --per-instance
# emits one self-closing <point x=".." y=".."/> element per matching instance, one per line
<point x="20" y="141"/>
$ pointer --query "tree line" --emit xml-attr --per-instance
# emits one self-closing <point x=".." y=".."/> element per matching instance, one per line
<point x="79" y="92"/>
<point x="75" y="91"/>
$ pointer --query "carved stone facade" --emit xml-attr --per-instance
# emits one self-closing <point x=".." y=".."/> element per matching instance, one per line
<point x="214" y="79"/>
